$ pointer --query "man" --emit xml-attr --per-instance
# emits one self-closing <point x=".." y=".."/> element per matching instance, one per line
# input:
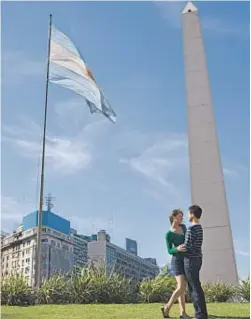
<point x="193" y="261"/>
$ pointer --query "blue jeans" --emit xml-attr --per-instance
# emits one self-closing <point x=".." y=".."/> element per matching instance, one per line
<point x="177" y="265"/>
<point x="192" y="271"/>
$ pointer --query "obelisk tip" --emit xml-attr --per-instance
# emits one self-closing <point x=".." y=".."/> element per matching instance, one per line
<point x="190" y="7"/>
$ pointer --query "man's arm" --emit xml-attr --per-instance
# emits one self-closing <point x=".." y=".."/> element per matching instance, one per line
<point x="188" y="244"/>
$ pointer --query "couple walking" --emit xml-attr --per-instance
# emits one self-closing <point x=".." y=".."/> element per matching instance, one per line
<point x="184" y="244"/>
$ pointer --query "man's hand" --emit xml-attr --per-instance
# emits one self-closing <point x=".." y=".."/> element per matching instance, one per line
<point x="181" y="248"/>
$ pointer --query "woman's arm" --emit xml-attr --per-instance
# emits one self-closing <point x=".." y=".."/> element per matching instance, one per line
<point x="169" y="245"/>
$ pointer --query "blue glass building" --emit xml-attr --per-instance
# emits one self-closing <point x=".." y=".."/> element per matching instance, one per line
<point x="49" y="219"/>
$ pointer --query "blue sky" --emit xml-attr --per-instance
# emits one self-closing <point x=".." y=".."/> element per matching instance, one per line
<point x="125" y="177"/>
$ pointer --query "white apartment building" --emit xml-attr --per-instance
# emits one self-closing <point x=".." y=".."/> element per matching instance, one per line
<point x="120" y="260"/>
<point x="19" y="253"/>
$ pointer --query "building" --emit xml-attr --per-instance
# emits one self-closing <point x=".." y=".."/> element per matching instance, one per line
<point x="120" y="260"/>
<point x="18" y="254"/>
<point x="132" y="246"/>
<point x="94" y="237"/>
<point x="3" y="235"/>
<point x="80" y="256"/>
<point x="151" y="260"/>
<point x="63" y="249"/>
<point x="206" y="174"/>
<point x="19" y="248"/>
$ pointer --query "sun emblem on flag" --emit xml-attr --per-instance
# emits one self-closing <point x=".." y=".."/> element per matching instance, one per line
<point x="89" y="74"/>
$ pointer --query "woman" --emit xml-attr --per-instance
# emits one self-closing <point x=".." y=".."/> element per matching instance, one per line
<point x="175" y="238"/>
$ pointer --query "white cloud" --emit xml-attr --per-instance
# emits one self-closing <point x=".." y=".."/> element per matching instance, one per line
<point x="230" y="173"/>
<point x="171" y="13"/>
<point x="73" y="112"/>
<point x="12" y="212"/>
<point x="17" y="66"/>
<point x="74" y="117"/>
<point x="163" y="160"/>
<point x="240" y="251"/>
<point x="89" y="225"/>
<point x="65" y="155"/>
<point x="222" y="28"/>
<point x="160" y="161"/>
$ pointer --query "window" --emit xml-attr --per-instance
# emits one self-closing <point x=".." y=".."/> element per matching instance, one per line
<point x="27" y="260"/>
<point x="27" y="251"/>
<point x="27" y="269"/>
<point x="53" y="243"/>
<point x="23" y="253"/>
<point x="7" y="257"/>
<point x="65" y="247"/>
<point x="56" y="233"/>
<point x="28" y="243"/>
<point x="44" y="240"/>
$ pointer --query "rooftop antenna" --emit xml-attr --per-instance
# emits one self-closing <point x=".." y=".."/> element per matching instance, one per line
<point x="93" y="226"/>
<point x="49" y="202"/>
<point x="111" y="226"/>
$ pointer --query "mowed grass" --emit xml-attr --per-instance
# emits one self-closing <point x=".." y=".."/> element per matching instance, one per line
<point x="142" y="311"/>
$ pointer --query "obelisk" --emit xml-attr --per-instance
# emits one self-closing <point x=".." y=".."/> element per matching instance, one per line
<point x="206" y="174"/>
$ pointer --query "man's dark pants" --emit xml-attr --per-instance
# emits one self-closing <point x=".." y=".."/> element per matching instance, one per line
<point x="192" y="270"/>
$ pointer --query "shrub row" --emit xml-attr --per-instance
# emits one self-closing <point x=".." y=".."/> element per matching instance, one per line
<point x="93" y="285"/>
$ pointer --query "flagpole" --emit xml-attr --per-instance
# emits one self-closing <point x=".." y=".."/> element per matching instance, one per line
<point x="40" y="212"/>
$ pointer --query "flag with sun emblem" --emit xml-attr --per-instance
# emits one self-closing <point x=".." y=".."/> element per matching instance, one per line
<point x="68" y="69"/>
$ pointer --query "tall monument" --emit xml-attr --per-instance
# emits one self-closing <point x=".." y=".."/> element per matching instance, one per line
<point x="206" y="174"/>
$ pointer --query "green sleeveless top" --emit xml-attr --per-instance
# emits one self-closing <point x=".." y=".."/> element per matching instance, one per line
<point x="173" y="240"/>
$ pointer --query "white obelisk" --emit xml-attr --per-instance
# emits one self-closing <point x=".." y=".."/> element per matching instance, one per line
<point x="206" y="174"/>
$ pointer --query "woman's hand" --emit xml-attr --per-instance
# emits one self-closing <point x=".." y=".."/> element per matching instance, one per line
<point x="181" y="248"/>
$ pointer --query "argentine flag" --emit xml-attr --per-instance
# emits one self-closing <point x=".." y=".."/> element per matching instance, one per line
<point x="68" y="69"/>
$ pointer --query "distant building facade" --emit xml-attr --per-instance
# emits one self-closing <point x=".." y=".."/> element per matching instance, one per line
<point x="120" y="260"/>
<point x="64" y="250"/>
<point x="19" y="248"/>
<point x="132" y="246"/>
<point x="151" y="260"/>
<point x="80" y="246"/>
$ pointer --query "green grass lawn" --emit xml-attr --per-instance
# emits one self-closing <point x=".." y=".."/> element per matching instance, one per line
<point x="142" y="311"/>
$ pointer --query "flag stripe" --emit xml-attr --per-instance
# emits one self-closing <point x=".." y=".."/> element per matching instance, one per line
<point x="73" y="81"/>
<point x="69" y="70"/>
<point x="67" y="59"/>
<point x="64" y="41"/>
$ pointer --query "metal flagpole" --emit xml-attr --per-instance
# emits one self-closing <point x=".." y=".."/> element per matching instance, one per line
<point x="40" y="212"/>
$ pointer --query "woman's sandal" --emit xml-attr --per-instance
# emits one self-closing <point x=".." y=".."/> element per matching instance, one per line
<point x="185" y="316"/>
<point x="163" y="313"/>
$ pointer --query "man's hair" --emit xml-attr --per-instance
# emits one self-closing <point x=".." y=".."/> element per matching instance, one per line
<point x="175" y="213"/>
<point x="196" y="211"/>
